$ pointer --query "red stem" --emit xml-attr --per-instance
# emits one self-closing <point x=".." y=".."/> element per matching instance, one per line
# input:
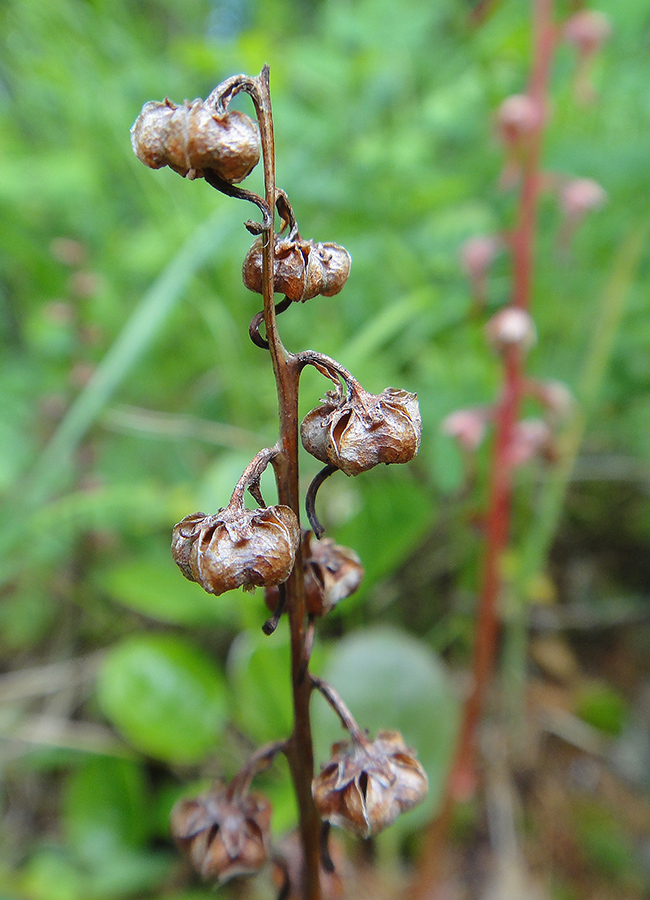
<point x="462" y="779"/>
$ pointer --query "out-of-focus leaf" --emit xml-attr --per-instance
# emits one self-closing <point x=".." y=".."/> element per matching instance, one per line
<point x="391" y="680"/>
<point x="259" y="667"/>
<point x="106" y="806"/>
<point x="165" y="696"/>
<point x="155" y="587"/>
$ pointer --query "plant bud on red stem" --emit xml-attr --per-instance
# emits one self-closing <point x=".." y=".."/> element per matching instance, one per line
<point x="237" y="547"/>
<point x="511" y="327"/>
<point x="301" y="269"/>
<point x="359" y="432"/>
<point x="587" y="30"/>
<point x="467" y="426"/>
<point x="223" y="836"/>
<point x="191" y="138"/>
<point x="367" y="784"/>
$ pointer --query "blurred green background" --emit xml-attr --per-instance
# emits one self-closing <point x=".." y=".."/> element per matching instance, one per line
<point x="131" y="394"/>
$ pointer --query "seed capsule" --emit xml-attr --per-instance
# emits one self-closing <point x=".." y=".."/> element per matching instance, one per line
<point x="191" y="138"/>
<point x="301" y="269"/>
<point x="223" y="837"/>
<point x="365" y="786"/>
<point x="364" y="429"/>
<point x="332" y="573"/>
<point x="237" y="547"/>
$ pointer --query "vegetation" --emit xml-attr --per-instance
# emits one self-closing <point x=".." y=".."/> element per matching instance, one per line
<point x="132" y="394"/>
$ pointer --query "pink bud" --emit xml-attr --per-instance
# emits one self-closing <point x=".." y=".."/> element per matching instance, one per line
<point x="511" y="327"/>
<point x="587" y="30"/>
<point x="555" y="396"/>
<point x="531" y="438"/>
<point x="518" y="117"/>
<point x="477" y="253"/>
<point x="467" y="426"/>
<point x="580" y="196"/>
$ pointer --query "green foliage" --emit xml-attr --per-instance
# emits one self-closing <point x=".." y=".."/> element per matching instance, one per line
<point x="166" y="697"/>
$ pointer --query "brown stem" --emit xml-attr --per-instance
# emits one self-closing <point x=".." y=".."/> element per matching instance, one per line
<point x="340" y="708"/>
<point x="462" y="777"/>
<point x="299" y="749"/>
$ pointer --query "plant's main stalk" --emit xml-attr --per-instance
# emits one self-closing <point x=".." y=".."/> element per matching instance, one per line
<point x="287" y="375"/>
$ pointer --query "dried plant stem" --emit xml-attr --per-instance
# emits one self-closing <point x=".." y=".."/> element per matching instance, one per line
<point x="299" y="748"/>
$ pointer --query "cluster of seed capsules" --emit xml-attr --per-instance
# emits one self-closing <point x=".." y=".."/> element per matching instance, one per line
<point x="366" y="783"/>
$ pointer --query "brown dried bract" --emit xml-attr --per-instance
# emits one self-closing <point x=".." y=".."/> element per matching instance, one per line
<point x="366" y="785"/>
<point x="301" y="270"/>
<point x="223" y="836"/>
<point x="237" y="547"/>
<point x="359" y="432"/>
<point x="191" y="138"/>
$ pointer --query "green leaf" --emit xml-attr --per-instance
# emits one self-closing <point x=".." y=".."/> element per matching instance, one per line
<point x="259" y="667"/>
<point x="166" y="697"/>
<point x="106" y="806"/>
<point x="156" y="588"/>
<point x="391" y="680"/>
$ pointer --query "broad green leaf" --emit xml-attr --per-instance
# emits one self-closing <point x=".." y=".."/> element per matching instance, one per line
<point x="259" y="667"/>
<point x="155" y="587"/>
<point x="106" y="807"/>
<point x="166" y="697"/>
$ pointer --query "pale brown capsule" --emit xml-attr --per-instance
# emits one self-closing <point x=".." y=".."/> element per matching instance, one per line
<point x="363" y="430"/>
<point x="191" y="138"/>
<point x="332" y="573"/>
<point x="301" y="270"/>
<point x="223" y="837"/>
<point x="366" y="785"/>
<point x="237" y="547"/>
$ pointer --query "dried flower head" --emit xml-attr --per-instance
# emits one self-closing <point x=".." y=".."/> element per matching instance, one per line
<point x="367" y="784"/>
<point x="332" y="573"/>
<point x="301" y="269"/>
<point x="362" y="430"/>
<point x="511" y="327"/>
<point x="191" y="138"/>
<point x="237" y="547"/>
<point x="223" y="836"/>
<point x="587" y="30"/>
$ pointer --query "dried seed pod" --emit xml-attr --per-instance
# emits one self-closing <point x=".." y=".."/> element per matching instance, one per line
<point x="366" y="785"/>
<point x="301" y="269"/>
<point x="332" y="573"/>
<point x="191" y="138"/>
<point x="363" y="430"/>
<point x="223" y="836"/>
<point x="237" y="547"/>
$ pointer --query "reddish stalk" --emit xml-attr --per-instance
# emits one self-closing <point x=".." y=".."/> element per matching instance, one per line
<point x="299" y="747"/>
<point x="462" y="780"/>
